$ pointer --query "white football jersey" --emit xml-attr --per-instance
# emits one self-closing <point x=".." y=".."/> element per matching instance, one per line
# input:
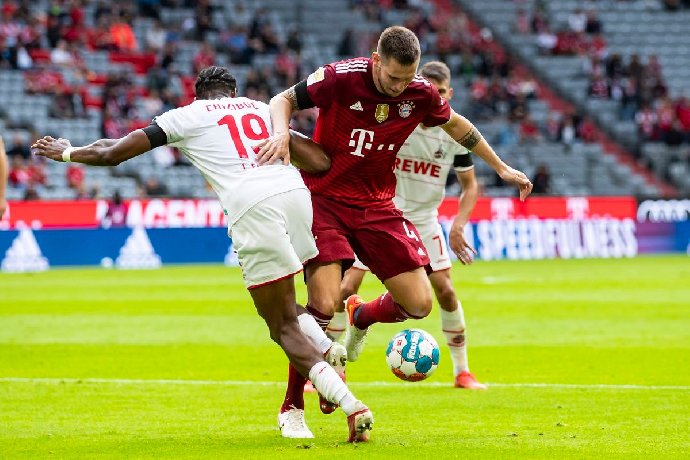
<point x="421" y="169"/>
<point x="218" y="137"/>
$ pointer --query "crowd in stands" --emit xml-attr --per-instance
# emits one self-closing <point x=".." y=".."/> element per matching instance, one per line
<point x="51" y="47"/>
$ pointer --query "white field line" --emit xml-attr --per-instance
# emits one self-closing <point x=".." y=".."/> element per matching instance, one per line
<point x="230" y="383"/>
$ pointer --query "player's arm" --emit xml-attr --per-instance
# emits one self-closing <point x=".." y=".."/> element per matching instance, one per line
<point x="468" y="199"/>
<point x="4" y="171"/>
<point x="103" y="152"/>
<point x="282" y="106"/>
<point x="467" y="135"/>
<point x="307" y="155"/>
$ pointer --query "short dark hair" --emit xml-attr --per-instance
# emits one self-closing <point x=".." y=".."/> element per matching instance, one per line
<point x="436" y="70"/>
<point x="399" y="43"/>
<point x="215" y="81"/>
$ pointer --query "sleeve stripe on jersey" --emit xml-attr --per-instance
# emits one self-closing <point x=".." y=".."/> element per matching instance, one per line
<point x="420" y="79"/>
<point x="350" y="69"/>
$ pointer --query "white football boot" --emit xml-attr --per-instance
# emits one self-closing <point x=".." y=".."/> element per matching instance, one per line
<point x="292" y="424"/>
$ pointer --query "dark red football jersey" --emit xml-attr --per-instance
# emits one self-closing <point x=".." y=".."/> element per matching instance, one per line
<point x="362" y="130"/>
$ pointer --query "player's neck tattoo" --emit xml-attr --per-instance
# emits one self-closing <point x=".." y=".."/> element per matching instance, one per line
<point x="471" y="139"/>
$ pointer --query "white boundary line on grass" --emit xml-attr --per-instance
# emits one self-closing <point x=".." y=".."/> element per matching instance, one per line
<point x="595" y="386"/>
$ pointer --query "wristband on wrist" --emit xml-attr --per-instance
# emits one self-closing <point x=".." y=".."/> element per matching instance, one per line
<point x="67" y="154"/>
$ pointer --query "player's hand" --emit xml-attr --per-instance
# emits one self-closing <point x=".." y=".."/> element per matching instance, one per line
<point x="274" y="148"/>
<point x="462" y="249"/>
<point x="50" y="148"/>
<point x="515" y="177"/>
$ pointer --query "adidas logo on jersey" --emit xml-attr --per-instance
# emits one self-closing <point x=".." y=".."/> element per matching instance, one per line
<point x="137" y="252"/>
<point x="24" y="255"/>
<point x="421" y="252"/>
<point x="357" y="106"/>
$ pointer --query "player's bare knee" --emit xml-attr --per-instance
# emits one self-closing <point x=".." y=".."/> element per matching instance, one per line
<point x="419" y="307"/>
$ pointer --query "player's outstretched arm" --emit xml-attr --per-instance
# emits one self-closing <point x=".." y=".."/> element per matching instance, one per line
<point x="4" y="171"/>
<point x="307" y="155"/>
<point x="104" y="152"/>
<point x="468" y="198"/>
<point x="465" y="133"/>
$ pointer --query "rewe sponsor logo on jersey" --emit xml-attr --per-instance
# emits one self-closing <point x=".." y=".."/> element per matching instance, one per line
<point x="138" y="252"/>
<point x="24" y="255"/>
<point x="424" y="168"/>
<point x="357" y="106"/>
<point x="381" y="113"/>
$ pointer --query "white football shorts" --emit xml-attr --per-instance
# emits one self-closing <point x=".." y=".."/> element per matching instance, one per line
<point x="273" y="238"/>
<point x="434" y="241"/>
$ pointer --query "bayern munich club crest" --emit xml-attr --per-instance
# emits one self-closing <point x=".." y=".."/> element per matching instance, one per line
<point x="405" y="109"/>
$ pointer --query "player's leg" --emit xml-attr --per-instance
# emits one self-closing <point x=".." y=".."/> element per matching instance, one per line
<point x="453" y="326"/>
<point x="390" y="246"/>
<point x="323" y="274"/>
<point x="275" y="302"/>
<point x="352" y="280"/>
<point x="273" y="240"/>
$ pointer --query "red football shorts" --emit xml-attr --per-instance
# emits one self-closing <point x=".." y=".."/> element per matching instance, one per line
<point x="382" y="238"/>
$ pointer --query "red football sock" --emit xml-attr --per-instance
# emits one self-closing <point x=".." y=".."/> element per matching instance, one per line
<point x="322" y="319"/>
<point x="381" y="310"/>
<point x="294" y="395"/>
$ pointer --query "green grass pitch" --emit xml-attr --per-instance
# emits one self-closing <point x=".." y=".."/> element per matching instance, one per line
<point x="586" y="359"/>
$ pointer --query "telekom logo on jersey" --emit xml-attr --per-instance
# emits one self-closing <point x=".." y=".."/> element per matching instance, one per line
<point x="362" y="139"/>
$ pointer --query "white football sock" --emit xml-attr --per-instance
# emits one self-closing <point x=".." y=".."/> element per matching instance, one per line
<point x="453" y="324"/>
<point x="337" y="325"/>
<point x="312" y="330"/>
<point x="327" y="382"/>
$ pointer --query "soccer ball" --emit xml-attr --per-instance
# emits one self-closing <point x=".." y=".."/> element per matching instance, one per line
<point x="412" y="355"/>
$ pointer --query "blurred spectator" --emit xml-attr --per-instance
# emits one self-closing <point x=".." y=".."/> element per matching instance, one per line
<point x="61" y="56"/>
<point x="287" y="68"/>
<point x="542" y="181"/>
<point x="236" y="43"/>
<point x="346" y="46"/>
<point x="19" y="176"/>
<point x="116" y="214"/>
<point x="149" y="8"/>
<point x="154" y="188"/>
<point x="646" y="119"/>
<point x="294" y="41"/>
<point x="577" y="20"/>
<point x="529" y="131"/>
<point x="204" y="23"/>
<point x="19" y="147"/>
<point x="123" y="35"/>
<point x="593" y="25"/>
<point x="75" y="176"/>
<point x="156" y="37"/>
<point x="240" y="15"/>
<point x="62" y="104"/>
<point x="522" y="25"/>
<point x="204" y="57"/>
<point x="163" y="156"/>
